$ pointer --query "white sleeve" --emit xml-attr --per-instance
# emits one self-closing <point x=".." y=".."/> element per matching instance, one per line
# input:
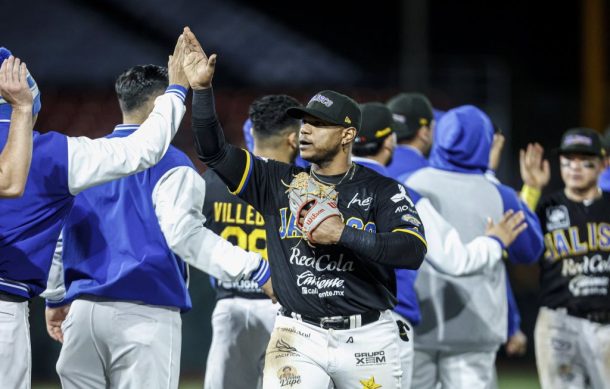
<point x="447" y="253"/>
<point x="92" y="162"/>
<point x="56" y="289"/>
<point x="178" y="200"/>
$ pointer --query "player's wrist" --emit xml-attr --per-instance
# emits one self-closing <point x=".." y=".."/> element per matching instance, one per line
<point x="177" y="90"/>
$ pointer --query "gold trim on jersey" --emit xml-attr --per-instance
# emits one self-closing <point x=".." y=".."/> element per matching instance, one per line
<point x="244" y="177"/>
<point x="412" y="233"/>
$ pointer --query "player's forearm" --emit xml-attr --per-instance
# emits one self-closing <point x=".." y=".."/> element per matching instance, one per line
<point x="17" y="154"/>
<point x="394" y="249"/>
<point x="94" y="162"/>
<point x="227" y="160"/>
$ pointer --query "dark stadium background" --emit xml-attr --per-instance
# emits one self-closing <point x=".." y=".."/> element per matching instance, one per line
<point x="537" y="68"/>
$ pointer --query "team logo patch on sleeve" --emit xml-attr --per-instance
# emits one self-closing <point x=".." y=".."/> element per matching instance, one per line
<point x="401" y="195"/>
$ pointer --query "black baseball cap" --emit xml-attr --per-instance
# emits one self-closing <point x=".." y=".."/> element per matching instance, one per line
<point x="377" y="124"/>
<point x="411" y="111"/>
<point x="581" y="141"/>
<point x="331" y="107"/>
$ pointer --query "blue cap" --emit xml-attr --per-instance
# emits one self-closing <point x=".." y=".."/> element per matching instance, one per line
<point x="5" y="108"/>
<point x="248" y="138"/>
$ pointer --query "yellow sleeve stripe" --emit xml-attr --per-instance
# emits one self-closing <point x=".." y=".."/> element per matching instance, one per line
<point x="246" y="175"/>
<point x="412" y="233"/>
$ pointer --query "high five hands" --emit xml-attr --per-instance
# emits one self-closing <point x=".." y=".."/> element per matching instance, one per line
<point x="198" y="67"/>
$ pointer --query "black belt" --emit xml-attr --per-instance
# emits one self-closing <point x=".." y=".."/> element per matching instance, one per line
<point x="13" y="298"/>
<point x="602" y="317"/>
<point x="336" y="322"/>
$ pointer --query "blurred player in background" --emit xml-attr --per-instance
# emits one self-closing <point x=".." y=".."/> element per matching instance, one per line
<point x="244" y="316"/>
<point x="572" y="335"/>
<point x="446" y="252"/>
<point x="463" y="325"/>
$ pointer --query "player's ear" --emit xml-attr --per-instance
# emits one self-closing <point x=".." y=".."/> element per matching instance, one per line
<point x="293" y="139"/>
<point x="349" y="134"/>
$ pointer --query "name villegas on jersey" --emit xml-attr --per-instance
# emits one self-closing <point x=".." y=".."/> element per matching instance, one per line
<point x="576" y="265"/>
<point x="238" y="222"/>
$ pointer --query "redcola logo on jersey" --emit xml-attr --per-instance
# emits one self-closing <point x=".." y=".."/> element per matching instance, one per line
<point x="321" y="263"/>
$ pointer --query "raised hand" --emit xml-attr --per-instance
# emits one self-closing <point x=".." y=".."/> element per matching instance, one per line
<point x="175" y="70"/>
<point x="14" y="86"/>
<point x="508" y="228"/>
<point x="496" y="151"/>
<point x="199" y="69"/>
<point x="535" y="171"/>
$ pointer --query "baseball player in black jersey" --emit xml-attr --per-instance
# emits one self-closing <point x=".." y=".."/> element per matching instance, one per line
<point x="572" y="335"/>
<point x="244" y="316"/>
<point x="332" y="264"/>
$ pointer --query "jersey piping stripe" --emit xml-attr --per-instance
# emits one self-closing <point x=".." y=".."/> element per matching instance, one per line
<point x="25" y="289"/>
<point x="246" y="176"/>
<point x="412" y="233"/>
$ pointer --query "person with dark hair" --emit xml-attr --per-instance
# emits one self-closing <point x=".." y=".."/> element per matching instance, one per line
<point x="333" y="236"/>
<point x="30" y="226"/>
<point x="572" y="333"/>
<point x="456" y="185"/>
<point x="125" y="250"/>
<point x="243" y="317"/>
<point x="415" y="123"/>
<point x="446" y="251"/>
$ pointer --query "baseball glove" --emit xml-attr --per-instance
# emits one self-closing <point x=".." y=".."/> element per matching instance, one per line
<point x="319" y="201"/>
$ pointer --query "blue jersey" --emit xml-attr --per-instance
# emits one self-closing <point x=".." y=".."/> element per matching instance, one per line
<point x="30" y="225"/>
<point x="113" y="246"/>
<point x="407" y="305"/>
<point x="405" y="161"/>
<point x="604" y="180"/>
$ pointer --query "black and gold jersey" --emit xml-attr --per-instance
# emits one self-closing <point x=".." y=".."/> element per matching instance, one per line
<point x="238" y="222"/>
<point x="575" y="269"/>
<point x="329" y="280"/>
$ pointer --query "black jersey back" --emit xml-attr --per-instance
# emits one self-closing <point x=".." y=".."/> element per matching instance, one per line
<point x="329" y="280"/>
<point x="239" y="223"/>
<point x="575" y="270"/>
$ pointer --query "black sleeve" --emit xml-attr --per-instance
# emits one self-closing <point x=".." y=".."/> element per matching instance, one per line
<point x="253" y="179"/>
<point x="394" y="249"/>
<point x="400" y="239"/>
<point x="228" y="161"/>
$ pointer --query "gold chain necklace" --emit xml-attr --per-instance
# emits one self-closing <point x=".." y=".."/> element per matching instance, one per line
<point x="352" y="168"/>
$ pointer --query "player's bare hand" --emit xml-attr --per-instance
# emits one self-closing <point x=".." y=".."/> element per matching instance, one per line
<point x="496" y="151"/>
<point x="54" y="317"/>
<point x="535" y="170"/>
<point x="175" y="71"/>
<point x="268" y="290"/>
<point x="199" y="69"/>
<point x="508" y="228"/>
<point x="516" y="345"/>
<point x="327" y="232"/>
<point x="14" y="86"/>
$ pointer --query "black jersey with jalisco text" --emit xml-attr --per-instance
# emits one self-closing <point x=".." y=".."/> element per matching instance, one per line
<point x="575" y="270"/>
<point x="329" y="280"/>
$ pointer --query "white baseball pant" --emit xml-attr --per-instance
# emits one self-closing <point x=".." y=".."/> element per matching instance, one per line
<point x="302" y="355"/>
<point x="15" y="347"/>
<point x="240" y="333"/>
<point x="571" y="352"/>
<point x="120" y="345"/>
